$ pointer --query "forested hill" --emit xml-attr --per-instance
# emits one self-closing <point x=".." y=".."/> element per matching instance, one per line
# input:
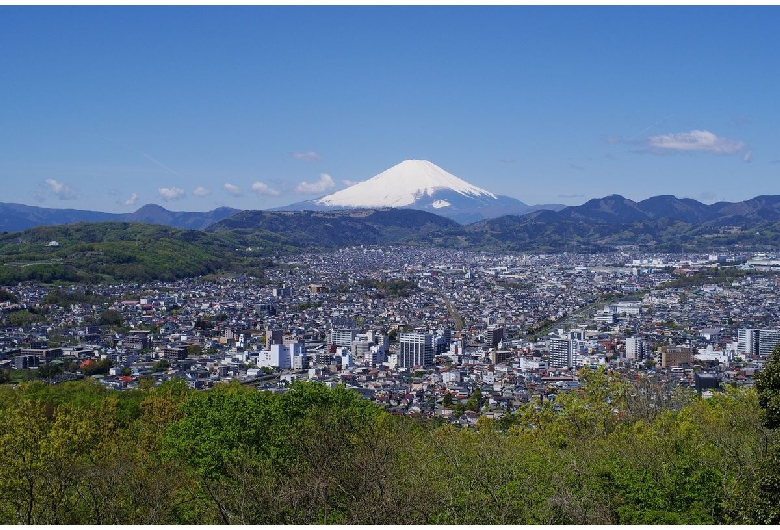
<point x="333" y="229"/>
<point x="111" y="251"/>
<point x="121" y="251"/>
<point x="544" y="231"/>
<point x="614" y="452"/>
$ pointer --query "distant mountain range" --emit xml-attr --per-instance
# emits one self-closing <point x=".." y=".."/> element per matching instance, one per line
<point x="618" y="209"/>
<point x="422" y="185"/>
<point x="16" y="217"/>
<point x="613" y="209"/>
<point x="661" y="223"/>
<point x="242" y="242"/>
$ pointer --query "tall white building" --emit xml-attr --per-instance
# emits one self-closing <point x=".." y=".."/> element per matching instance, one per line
<point x="757" y="341"/>
<point x="636" y="348"/>
<point x="283" y="357"/>
<point x="768" y="340"/>
<point x="747" y="341"/>
<point x="415" y="349"/>
<point x="342" y="337"/>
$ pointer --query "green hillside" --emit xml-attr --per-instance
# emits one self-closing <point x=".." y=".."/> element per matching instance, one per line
<point x="110" y="251"/>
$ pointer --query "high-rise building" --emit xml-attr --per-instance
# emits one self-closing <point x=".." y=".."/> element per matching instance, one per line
<point x="757" y="341"/>
<point x="442" y="341"/>
<point x="415" y="349"/>
<point x="342" y="337"/>
<point x="768" y="339"/>
<point x="272" y="336"/>
<point x="494" y="335"/>
<point x="561" y="353"/>
<point x="636" y="348"/>
<point x="747" y="341"/>
<point x="675" y="356"/>
<point x="283" y="292"/>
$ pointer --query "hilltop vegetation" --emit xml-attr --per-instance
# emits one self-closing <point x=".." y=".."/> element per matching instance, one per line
<point x="242" y="243"/>
<point x="76" y="453"/>
<point x="543" y="231"/>
<point x="325" y="230"/>
<point x="110" y="251"/>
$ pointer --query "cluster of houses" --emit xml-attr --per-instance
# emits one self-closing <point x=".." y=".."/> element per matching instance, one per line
<point x="510" y="328"/>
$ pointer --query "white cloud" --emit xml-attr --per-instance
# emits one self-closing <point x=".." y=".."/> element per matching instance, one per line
<point x="62" y="191"/>
<point x="703" y="141"/>
<point x="235" y="191"/>
<point x="310" y="156"/>
<point x="200" y="191"/>
<point x="170" y="194"/>
<point x="348" y="182"/>
<point x="324" y="184"/>
<point x="264" y="189"/>
<point x="748" y="157"/>
<point x="131" y="201"/>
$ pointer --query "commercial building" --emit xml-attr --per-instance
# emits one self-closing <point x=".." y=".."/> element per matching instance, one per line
<point x="415" y="349"/>
<point x="561" y="353"/>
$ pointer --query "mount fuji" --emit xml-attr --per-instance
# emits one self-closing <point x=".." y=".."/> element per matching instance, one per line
<point x="422" y="185"/>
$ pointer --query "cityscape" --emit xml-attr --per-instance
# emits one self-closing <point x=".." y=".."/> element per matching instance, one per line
<point x="412" y="328"/>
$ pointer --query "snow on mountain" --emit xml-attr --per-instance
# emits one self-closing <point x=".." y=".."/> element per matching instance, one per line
<point x="421" y="185"/>
<point x="402" y="185"/>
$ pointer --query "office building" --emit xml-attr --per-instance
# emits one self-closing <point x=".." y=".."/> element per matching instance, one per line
<point x="415" y="349"/>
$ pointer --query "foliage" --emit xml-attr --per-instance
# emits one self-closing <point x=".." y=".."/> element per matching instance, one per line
<point x="7" y="296"/>
<point x="161" y="365"/>
<point x="768" y="388"/>
<point x="97" y="367"/>
<point x="116" y="251"/>
<point x="66" y="298"/>
<point x="77" y="453"/>
<point x="24" y="318"/>
<point x="110" y="317"/>
<point x="391" y="288"/>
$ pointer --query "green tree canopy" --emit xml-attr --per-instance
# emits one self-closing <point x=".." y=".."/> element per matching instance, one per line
<point x="768" y="388"/>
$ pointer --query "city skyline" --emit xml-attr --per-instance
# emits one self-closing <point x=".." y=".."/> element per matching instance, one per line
<point x="110" y="108"/>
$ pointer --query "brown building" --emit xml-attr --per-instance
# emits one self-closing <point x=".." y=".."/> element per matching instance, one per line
<point x="675" y="356"/>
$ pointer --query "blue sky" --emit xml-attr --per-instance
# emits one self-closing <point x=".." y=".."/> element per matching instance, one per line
<point x="110" y="108"/>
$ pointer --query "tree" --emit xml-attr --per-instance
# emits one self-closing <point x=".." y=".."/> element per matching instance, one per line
<point x="110" y="317"/>
<point x="97" y="367"/>
<point x="768" y="388"/>
<point x="162" y="364"/>
<point x="6" y="296"/>
<point x="49" y="370"/>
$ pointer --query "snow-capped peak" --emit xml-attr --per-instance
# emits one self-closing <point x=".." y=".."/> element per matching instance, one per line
<point x="401" y="185"/>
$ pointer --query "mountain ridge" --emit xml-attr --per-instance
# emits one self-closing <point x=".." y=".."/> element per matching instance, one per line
<point x="15" y="217"/>
<point x="421" y="185"/>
